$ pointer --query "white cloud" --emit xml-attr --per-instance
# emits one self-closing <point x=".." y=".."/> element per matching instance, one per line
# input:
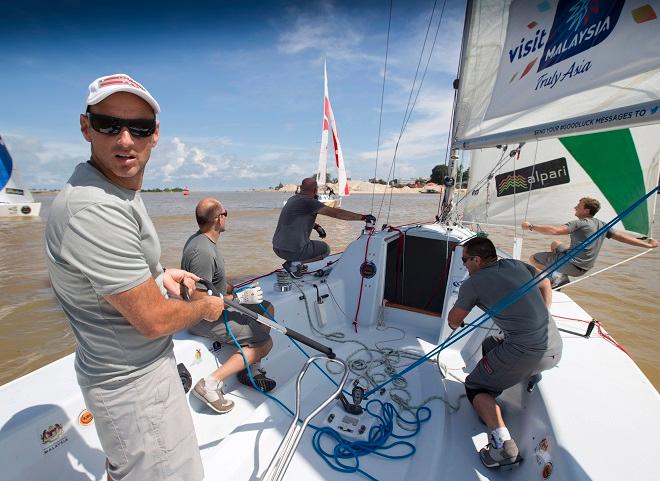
<point x="45" y="164"/>
<point x="331" y="32"/>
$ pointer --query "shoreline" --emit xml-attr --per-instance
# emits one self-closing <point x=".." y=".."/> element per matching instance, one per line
<point x="363" y="187"/>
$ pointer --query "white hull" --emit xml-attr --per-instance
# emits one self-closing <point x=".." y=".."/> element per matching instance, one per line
<point x="330" y="200"/>
<point x="596" y="410"/>
<point x="24" y="209"/>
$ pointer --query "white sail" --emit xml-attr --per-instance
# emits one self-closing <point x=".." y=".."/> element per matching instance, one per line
<point x="535" y="70"/>
<point x="547" y="180"/>
<point x="323" y="155"/>
<point x="330" y="124"/>
<point x="15" y="198"/>
<point x="339" y="156"/>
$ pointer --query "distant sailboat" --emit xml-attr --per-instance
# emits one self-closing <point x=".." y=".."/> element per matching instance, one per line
<point x="186" y="191"/>
<point x="15" y="199"/>
<point x="326" y="194"/>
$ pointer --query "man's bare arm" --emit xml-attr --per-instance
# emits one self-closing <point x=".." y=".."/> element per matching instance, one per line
<point x="546" y="291"/>
<point x="154" y="316"/>
<point x="546" y="229"/>
<point x="340" y="213"/>
<point x="456" y="316"/>
<point x="633" y="241"/>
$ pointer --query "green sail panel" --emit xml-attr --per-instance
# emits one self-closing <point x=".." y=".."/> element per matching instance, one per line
<point x="611" y="160"/>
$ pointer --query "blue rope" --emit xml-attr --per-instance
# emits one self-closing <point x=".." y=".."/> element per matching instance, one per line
<point x="517" y="293"/>
<point x="344" y="449"/>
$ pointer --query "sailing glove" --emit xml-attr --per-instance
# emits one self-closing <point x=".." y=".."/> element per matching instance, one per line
<point x="369" y="219"/>
<point x="251" y="295"/>
<point x="320" y="230"/>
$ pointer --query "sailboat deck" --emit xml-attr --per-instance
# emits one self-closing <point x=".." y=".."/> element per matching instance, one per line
<point x="240" y="444"/>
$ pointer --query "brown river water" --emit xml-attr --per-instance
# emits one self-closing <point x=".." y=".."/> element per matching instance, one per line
<point x="33" y="331"/>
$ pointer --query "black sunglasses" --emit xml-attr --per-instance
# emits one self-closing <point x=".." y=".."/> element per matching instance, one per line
<point x="106" y="124"/>
<point x="224" y="214"/>
<point x="465" y="259"/>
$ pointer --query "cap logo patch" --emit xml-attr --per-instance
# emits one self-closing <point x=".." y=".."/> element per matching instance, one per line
<point x="120" y="80"/>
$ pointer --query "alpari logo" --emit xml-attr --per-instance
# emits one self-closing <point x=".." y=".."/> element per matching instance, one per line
<point x="511" y="182"/>
<point x="540" y="176"/>
<point x="578" y="26"/>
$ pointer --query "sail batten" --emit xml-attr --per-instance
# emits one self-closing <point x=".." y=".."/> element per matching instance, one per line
<point x="538" y="70"/>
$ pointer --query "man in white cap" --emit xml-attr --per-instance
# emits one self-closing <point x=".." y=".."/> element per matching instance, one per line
<point x="104" y="265"/>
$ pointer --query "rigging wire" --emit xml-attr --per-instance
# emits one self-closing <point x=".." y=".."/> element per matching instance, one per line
<point x="382" y="98"/>
<point x="410" y="107"/>
<point x="529" y="192"/>
<point x="582" y="278"/>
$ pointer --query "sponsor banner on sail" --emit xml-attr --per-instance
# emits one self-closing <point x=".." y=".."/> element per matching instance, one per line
<point x="537" y="176"/>
<point x="547" y="180"/>
<point x="557" y="48"/>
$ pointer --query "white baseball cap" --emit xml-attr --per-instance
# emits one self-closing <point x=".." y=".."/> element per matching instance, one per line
<point x="107" y="85"/>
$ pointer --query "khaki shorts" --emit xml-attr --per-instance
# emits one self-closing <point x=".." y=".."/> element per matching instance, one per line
<point x="547" y="258"/>
<point x="247" y="331"/>
<point x="145" y="427"/>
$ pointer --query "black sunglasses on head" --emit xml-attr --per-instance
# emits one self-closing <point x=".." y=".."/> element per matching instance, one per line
<point x="106" y="124"/>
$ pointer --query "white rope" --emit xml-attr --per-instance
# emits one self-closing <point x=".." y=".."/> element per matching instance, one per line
<point x="582" y="278"/>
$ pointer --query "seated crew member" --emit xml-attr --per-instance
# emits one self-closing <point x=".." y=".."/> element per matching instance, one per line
<point x="530" y="342"/>
<point x="202" y="256"/>
<point x="579" y="230"/>
<point x="291" y="240"/>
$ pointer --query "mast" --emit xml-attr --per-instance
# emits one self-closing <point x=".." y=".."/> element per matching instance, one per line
<point x="453" y="155"/>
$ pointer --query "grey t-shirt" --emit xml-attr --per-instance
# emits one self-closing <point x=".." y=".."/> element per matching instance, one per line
<point x="296" y="223"/>
<point x="526" y="323"/>
<point x="100" y="241"/>
<point x="579" y="230"/>
<point x="202" y="257"/>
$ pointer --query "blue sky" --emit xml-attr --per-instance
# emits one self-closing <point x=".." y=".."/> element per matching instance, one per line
<point x="240" y="85"/>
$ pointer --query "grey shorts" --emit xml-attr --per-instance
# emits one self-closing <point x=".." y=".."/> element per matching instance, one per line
<point x="503" y="366"/>
<point x="312" y="250"/>
<point x="247" y="331"/>
<point x="145" y="427"/>
<point x="547" y="258"/>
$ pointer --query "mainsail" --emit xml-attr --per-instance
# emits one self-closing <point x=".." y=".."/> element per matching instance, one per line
<point x="329" y="124"/>
<point x="574" y="87"/>
<point x="548" y="69"/>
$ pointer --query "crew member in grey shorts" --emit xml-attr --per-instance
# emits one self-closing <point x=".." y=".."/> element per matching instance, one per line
<point x="202" y="256"/>
<point x="103" y="260"/>
<point x="530" y="342"/>
<point x="582" y="228"/>
<point x="291" y="240"/>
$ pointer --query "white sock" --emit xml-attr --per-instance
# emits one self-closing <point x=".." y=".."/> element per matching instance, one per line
<point x="212" y="383"/>
<point x="500" y="435"/>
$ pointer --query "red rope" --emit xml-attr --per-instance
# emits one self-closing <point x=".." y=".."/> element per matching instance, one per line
<point x="355" y="320"/>
<point x="601" y="332"/>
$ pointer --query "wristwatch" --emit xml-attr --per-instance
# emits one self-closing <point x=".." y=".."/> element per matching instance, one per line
<point x="531" y="227"/>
